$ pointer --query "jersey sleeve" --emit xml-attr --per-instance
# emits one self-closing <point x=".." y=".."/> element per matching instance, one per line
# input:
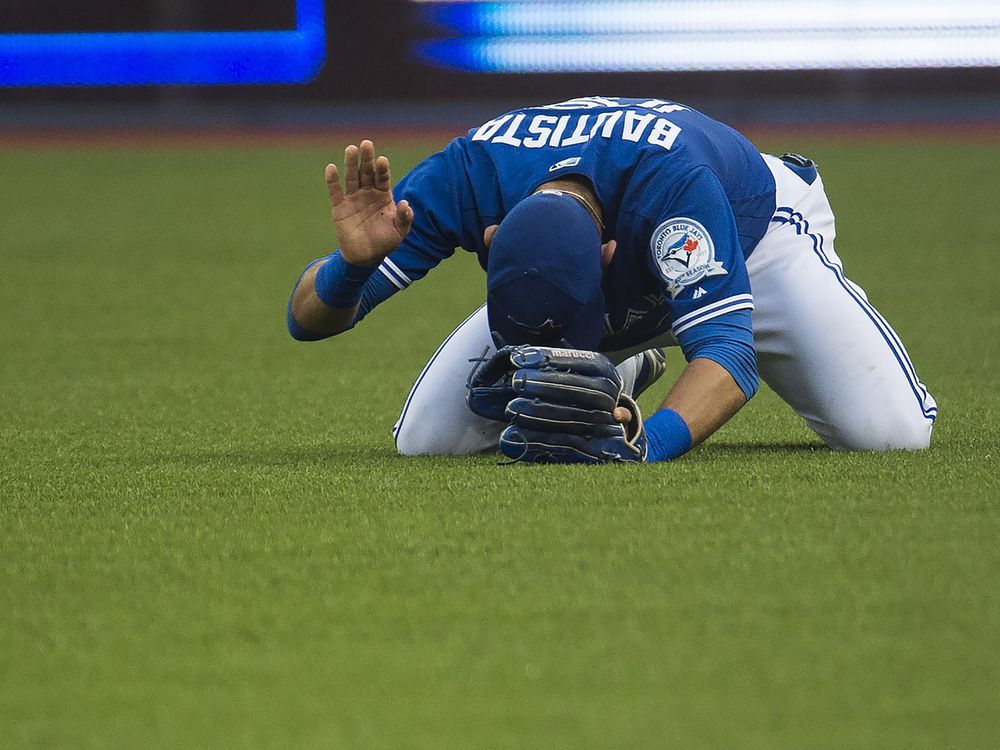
<point x="432" y="192"/>
<point x="696" y="254"/>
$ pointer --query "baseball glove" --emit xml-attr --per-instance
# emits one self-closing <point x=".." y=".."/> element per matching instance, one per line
<point x="558" y="405"/>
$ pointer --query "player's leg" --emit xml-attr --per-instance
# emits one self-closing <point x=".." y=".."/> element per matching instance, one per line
<point x="436" y="419"/>
<point x="821" y="345"/>
<point x="641" y="370"/>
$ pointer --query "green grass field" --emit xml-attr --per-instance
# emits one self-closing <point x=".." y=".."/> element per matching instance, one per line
<point x="208" y="541"/>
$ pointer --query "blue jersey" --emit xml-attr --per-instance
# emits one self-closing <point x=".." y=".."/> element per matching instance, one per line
<point x="686" y="198"/>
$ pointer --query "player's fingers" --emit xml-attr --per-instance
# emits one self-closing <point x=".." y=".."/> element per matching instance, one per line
<point x="366" y="174"/>
<point x="622" y="415"/>
<point x="608" y="253"/>
<point x="404" y="218"/>
<point x="383" y="176"/>
<point x="333" y="185"/>
<point x="488" y="234"/>
<point x="351" y="168"/>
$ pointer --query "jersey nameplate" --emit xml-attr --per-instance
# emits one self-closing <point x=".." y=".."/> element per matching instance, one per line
<point x="559" y="131"/>
<point x="684" y="254"/>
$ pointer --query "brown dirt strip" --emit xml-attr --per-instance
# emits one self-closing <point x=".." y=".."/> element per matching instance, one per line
<point x="102" y="139"/>
<point x="213" y="138"/>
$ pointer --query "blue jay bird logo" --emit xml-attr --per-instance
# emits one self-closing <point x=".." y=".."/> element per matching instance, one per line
<point x="682" y="249"/>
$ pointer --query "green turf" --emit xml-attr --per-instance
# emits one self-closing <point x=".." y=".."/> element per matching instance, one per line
<point x="207" y="540"/>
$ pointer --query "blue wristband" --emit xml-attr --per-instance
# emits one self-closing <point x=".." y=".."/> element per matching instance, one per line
<point x="667" y="436"/>
<point x="339" y="283"/>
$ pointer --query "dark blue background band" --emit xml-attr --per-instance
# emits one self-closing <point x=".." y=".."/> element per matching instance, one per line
<point x="174" y="57"/>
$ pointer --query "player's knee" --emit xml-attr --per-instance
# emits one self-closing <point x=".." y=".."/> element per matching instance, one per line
<point x="887" y="431"/>
<point x="417" y="437"/>
<point x="902" y="436"/>
<point x="415" y="442"/>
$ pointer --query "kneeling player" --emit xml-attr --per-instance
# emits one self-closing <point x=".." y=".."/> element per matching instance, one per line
<point x="620" y="225"/>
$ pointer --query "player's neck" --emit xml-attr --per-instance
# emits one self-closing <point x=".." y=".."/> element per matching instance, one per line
<point x="581" y="190"/>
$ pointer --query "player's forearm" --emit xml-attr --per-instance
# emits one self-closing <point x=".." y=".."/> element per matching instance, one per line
<point x="702" y="399"/>
<point x="720" y="377"/>
<point x="311" y="314"/>
<point x="705" y="396"/>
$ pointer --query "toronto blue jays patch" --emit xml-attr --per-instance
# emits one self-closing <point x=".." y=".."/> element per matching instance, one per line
<point x="684" y="254"/>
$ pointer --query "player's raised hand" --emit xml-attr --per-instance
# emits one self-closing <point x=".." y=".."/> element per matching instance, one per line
<point x="369" y="223"/>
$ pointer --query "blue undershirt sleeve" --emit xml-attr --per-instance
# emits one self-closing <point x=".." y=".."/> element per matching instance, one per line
<point x="727" y="340"/>
<point x="376" y="291"/>
<point x="296" y="331"/>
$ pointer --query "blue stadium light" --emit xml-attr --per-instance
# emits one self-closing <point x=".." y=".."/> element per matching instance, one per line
<point x="518" y="36"/>
<point x="174" y="57"/>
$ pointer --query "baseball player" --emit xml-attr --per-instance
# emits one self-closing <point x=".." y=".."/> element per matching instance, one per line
<point x="616" y="226"/>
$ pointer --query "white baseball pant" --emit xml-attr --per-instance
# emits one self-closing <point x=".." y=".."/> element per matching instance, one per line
<point x="821" y="346"/>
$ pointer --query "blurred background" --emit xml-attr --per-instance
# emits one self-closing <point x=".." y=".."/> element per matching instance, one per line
<point x="410" y="63"/>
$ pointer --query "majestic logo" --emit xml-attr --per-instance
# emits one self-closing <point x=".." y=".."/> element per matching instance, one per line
<point x="640" y="308"/>
<point x="684" y="254"/>
<point x="570" y="162"/>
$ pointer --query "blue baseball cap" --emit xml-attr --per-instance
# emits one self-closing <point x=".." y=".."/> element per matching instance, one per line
<point x="543" y="276"/>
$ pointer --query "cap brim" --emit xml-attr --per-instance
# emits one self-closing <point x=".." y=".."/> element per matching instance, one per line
<point x="584" y="329"/>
